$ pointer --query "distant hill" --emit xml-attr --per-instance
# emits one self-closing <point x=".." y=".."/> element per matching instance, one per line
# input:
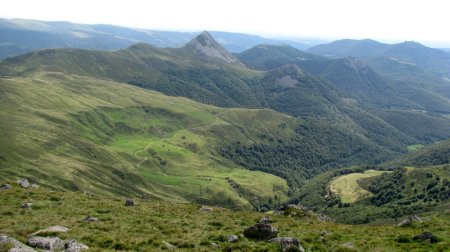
<point x="21" y="36"/>
<point x="267" y="57"/>
<point x="348" y="47"/>
<point x="382" y="56"/>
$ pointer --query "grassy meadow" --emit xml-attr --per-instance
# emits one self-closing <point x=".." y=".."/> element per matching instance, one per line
<point x="347" y="187"/>
<point x="151" y="224"/>
<point x="79" y="133"/>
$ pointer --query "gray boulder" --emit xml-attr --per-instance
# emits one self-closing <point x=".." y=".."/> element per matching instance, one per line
<point x="261" y="232"/>
<point x="288" y="243"/>
<point x="232" y="238"/>
<point x="23" y="183"/>
<point x="129" y="202"/>
<point x="265" y="220"/>
<point x="206" y="209"/>
<point x="27" y="205"/>
<point x="48" y="243"/>
<point x="74" y="246"/>
<point x="5" y="187"/>
<point x="15" y="245"/>
<point x="90" y="219"/>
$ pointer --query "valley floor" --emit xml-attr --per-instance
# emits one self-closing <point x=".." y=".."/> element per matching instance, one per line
<point x="153" y="224"/>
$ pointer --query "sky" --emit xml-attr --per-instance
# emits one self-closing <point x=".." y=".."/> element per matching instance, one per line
<point x="384" y="20"/>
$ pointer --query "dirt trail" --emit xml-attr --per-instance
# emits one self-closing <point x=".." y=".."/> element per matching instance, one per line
<point x="217" y="116"/>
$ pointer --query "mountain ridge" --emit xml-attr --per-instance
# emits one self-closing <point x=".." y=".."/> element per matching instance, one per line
<point x="22" y="35"/>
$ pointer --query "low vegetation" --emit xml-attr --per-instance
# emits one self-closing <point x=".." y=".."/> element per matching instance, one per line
<point x="152" y="224"/>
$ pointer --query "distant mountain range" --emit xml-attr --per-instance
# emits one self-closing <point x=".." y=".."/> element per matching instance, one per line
<point x="397" y="60"/>
<point x="20" y="36"/>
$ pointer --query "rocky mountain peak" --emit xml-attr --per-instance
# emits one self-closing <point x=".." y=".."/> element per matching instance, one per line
<point x="206" y="45"/>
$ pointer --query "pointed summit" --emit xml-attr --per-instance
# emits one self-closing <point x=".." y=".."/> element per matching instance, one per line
<point x="205" y="45"/>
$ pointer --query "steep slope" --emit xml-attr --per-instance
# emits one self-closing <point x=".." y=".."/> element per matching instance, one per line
<point x="79" y="133"/>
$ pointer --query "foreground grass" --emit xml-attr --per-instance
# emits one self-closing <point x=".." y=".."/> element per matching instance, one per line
<point x="147" y="226"/>
<point x="347" y="186"/>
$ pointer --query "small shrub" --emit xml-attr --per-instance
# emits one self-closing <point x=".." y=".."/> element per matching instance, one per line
<point x="403" y="239"/>
<point x="106" y="242"/>
<point x="185" y="245"/>
<point x="54" y="198"/>
<point x="120" y="246"/>
<point x="215" y="224"/>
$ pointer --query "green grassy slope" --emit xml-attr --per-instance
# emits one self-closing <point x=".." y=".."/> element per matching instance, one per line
<point x="80" y="133"/>
<point x="147" y="226"/>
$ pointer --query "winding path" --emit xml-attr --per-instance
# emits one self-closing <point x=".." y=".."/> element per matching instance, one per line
<point x="217" y="116"/>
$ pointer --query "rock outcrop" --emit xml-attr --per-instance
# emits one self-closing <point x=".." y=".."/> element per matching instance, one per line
<point x="47" y="243"/>
<point x="14" y="245"/>
<point x="205" y="45"/>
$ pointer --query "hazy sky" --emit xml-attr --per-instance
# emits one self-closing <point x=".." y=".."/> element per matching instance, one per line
<point x="387" y="20"/>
